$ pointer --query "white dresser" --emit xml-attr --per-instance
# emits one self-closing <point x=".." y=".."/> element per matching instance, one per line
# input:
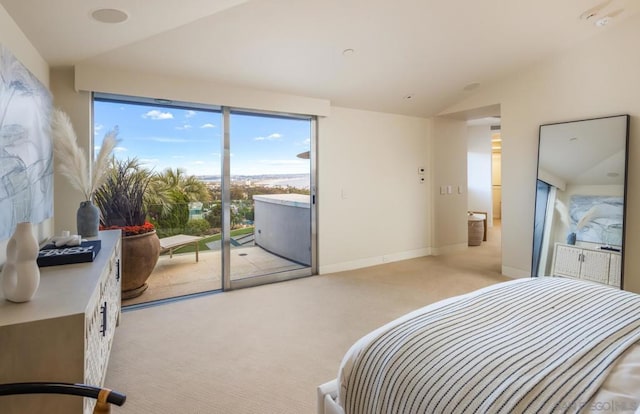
<point x="577" y="262"/>
<point x="64" y="333"/>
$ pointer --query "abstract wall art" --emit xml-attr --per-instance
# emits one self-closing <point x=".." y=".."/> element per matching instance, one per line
<point x="597" y="219"/>
<point x="26" y="153"/>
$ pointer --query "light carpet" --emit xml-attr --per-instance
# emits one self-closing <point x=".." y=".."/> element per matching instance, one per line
<point x="265" y="349"/>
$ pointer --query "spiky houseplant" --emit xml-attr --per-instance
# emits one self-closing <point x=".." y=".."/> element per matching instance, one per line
<point x="121" y="200"/>
<point x="121" y="197"/>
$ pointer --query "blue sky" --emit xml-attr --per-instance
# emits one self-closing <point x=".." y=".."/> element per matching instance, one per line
<point x="191" y="139"/>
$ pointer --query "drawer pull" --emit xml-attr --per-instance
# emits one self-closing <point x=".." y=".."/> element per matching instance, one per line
<point x="103" y="312"/>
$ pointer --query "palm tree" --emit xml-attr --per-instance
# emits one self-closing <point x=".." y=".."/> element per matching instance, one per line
<point x="176" y="180"/>
<point x="170" y="193"/>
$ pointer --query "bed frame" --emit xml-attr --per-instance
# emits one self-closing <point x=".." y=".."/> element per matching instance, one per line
<point x="620" y="386"/>
<point x="327" y="394"/>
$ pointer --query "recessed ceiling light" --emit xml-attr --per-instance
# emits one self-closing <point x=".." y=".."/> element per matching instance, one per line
<point x="598" y="16"/>
<point x="109" y="16"/>
<point x="348" y="52"/>
<point x="595" y="10"/>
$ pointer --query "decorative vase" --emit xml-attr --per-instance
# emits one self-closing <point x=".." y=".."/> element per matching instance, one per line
<point x="88" y="219"/>
<point x="139" y="257"/>
<point x="20" y="273"/>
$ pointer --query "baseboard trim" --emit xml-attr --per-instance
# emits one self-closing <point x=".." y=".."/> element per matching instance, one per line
<point x="374" y="261"/>
<point x="515" y="273"/>
<point x="437" y="251"/>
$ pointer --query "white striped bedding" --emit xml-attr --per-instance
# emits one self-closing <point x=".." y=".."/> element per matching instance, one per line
<point x="538" y="345"/>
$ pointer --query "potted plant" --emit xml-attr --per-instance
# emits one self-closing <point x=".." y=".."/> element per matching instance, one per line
<point x="83" y="176"/>
<point x="121" y="200"/>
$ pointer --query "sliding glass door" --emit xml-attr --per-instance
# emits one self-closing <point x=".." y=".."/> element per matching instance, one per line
<point x="178" y="145"/>
<point x="271" y="198"/>
<point x="232" y="196"/>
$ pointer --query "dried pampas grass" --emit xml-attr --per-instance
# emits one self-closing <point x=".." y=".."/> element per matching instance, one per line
<point x="563" y="212"/>
<point x="72" y="162"/>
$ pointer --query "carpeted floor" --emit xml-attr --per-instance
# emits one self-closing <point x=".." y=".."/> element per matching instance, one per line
<point x="265" y="349"/>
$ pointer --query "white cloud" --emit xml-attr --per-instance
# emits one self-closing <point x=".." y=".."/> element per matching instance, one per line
<point x="198" y="163"/>
<point x="161" y="139"/>
<point x="283" y="162"/>
<point x="149" y="162"/>
<point x="97" y="128"/>
<point x="190" y="114"/>
<point x="120" y="149"/>
<point x="271" y="137"/>
<point x="304" y="143"/>
<point x="157" y="115"/>
<point x="183" y="127"/>
<point x="208" y="125"/>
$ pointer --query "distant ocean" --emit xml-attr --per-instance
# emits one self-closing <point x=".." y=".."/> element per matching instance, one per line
<point x="298" y="182"/>
<point x="283" y="180"/>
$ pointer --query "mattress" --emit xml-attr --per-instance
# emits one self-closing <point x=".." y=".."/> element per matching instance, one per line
<point x="609" y="383"/>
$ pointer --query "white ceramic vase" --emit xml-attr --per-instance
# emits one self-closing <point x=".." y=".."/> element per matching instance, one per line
<point x="20" y="273"/>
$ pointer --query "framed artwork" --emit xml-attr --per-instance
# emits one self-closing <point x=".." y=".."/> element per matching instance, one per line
<point x="26" y="148"/>
<point x="597" y="219"/>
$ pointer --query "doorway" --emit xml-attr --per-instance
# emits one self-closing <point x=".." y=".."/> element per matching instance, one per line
<point x="496" y="172"/>
<point x="484" y="147"/>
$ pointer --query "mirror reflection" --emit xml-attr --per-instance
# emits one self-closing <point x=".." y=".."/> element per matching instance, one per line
<point x="580" y="194"/>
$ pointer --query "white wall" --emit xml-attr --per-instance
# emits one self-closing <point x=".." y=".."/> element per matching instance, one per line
<point x="372" y="207"/>
<point x="109" y="80"/>
<point x="479" y="170"/>
<point x="449" y="158"/>
<point x="12" y="37"/>
<point x="596" y="78"/>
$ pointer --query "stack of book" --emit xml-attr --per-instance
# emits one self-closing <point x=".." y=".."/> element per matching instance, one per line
<point x="50" y="255"/>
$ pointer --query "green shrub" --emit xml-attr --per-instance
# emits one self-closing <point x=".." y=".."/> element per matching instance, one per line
<point x="197" y="227"/>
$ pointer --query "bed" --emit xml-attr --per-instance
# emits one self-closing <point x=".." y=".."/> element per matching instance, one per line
<point x="545" y="344"/>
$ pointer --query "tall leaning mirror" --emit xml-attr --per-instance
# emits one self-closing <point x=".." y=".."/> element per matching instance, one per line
<point x="580" y="200"/>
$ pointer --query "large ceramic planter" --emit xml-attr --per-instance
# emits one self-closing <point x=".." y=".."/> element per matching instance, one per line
<point x="139" y="256"/>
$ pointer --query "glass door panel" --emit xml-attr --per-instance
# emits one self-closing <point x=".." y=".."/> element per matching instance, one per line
<point x="271" y="201"/>
<point x="179" y="145"/>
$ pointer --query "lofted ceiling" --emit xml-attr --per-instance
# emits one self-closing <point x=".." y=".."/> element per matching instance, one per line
<point x="414" y="57"/>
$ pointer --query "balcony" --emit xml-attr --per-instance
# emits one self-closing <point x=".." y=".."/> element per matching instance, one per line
<point x="278" y="241"/>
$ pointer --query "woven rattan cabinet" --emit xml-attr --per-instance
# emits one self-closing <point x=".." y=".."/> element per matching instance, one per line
<point x="64" y="334"/>
<point x="583" y="263"/>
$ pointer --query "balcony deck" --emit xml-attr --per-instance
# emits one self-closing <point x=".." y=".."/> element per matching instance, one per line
<point x="182" y="275"/>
